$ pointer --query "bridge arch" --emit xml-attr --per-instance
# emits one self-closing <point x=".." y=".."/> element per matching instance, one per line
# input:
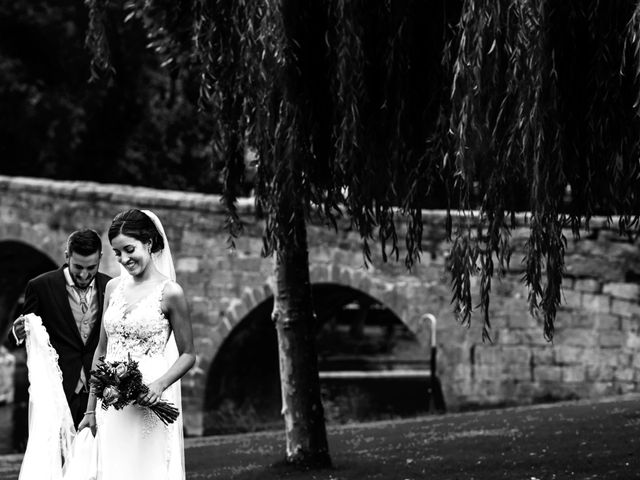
<point x="396" y="296"/>
<point x="242" y="376"/>
<point x="19" y="262"/>
<point x="39" y="237"/>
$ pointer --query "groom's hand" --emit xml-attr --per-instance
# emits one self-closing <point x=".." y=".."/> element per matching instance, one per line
<point x="89" y="420"/>
<point x="19" y="328"/>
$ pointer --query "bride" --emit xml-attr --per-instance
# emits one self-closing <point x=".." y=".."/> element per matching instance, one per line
<point x="146" y="317"/>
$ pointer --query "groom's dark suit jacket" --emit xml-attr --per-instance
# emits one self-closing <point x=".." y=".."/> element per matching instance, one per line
<point x="46" y="296"/>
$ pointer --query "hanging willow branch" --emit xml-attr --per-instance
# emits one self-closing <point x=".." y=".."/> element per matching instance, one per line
<point x="96" y="39"/>
<point x="378" y="109"/>
<point x="540" y="104"/>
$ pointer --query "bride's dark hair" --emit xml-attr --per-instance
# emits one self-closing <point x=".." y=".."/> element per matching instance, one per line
<point x="133" y="223"/>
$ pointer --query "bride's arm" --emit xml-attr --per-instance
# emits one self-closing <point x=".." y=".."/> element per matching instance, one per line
<point x="176" y="309"/>
<point x="89" y="419"/>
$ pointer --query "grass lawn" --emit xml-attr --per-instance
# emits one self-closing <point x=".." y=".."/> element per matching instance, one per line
<point x="570" y="440"/>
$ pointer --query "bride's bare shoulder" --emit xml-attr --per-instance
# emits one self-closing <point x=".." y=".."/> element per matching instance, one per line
<point x="173" y="290"/>
<point x="111" y="285"/>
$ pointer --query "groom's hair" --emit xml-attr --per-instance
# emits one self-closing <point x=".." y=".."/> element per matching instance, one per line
<point x="136" y="224"/>
<point x="84" y="242"/>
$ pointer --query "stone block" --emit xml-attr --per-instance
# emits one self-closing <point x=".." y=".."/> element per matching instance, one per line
<point x="574" y="374"/>
<point x="630" y="324"/>
<point x="632" y="341"/>
<point x="318" y="273"/>
<point x="544" y="373"/>
<point x="518" y="372"/>
<point x="202" y="345"/>
<point x="624" y="374"/>
<point x="593" y="302"/>
<point x="250" y="264"/>
<point x="525" y="390"/>
<point x="607" y="357"/>
<point x="521" y="319"/>
<point x="606" y="322"/>
<point x="7" y="368"/>
<point x="390" y="298"/>
<point x="627" y="291"/>
<point x="248" y="298"/>
<point x="569" y="355"/>
<point x="237" y="311"/>
<point x="531" y="337"/>
<point x="571" y="299"/>
<point x="461" y="372"/>
<point x="599" y="373"/>
<point x="577" y="320"/>
<point x="199" y="304"/>
<point x="201" y="330"/>
<point x="218" y="290"/>
<point x="516" y="355"/>
<point x="625" y="308"/>
<point x="611" y="339"/>
<point x="576" y="337"/>
<point x="588" y="285"/>
<point x="589" y="247"/>
<point x="487" y="372"/>
<point x="568" y="282"/>
<point x="544" y="355"/>
<point x="485" y="355"/>
<point x="591" y="266"/>
<point x="625" y="359"/>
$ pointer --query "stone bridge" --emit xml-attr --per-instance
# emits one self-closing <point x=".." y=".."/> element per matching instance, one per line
<point x="595" y="351"/>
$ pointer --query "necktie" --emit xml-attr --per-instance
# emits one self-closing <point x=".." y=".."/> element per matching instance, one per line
<point x="82" y="294"/>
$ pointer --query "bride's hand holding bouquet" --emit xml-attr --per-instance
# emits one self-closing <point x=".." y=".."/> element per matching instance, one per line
<point x="152" y="396"/>
<point x="119" y="383"/>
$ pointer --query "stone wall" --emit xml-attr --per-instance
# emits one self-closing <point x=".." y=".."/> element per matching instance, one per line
<point x="7" y="367"/>
<point x="594" y="352"/>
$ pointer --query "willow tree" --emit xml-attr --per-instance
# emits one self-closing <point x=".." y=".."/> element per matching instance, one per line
<point x="543" y="99"/>
<point x="373" y="110"/>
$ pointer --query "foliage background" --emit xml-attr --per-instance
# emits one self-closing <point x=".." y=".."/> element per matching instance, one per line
<point x="141" y="126"/>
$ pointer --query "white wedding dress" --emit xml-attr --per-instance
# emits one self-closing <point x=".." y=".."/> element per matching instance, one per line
<point x="133" y="443"/>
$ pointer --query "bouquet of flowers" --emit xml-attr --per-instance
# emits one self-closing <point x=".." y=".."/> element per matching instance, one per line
<point x="119" y="383"/>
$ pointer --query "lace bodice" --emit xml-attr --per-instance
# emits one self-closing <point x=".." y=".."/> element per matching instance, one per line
<point x="138" y="330"/>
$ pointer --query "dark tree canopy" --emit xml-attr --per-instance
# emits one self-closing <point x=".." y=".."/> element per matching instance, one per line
<point x="376" y="110"/>
<point x="138" y="127"/>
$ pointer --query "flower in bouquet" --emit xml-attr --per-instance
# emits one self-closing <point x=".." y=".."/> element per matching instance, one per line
<point x="121" y="370"/>
<point x="119" y="383"/>
<point x="110" y="395"/>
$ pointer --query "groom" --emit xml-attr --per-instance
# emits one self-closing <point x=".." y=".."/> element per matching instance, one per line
<point x="69" y="301"/>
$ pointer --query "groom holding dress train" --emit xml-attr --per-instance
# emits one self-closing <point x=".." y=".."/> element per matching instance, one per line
<point x="70" y="300"/>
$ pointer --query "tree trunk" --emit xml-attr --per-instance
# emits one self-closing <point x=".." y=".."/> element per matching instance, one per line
<point x="306" y="436"/>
